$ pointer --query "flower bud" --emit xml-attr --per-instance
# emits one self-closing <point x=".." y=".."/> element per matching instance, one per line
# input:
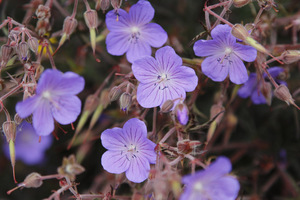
<point x="182" y="113"/>
<point x="167" y="106"/>
<point x="33" y="44"/>
<point x="116" y="4"/>
<point x="125" y="101"/>
<point x="33" y="180"/>
<point x="43" y="12"/>
<point x="114" y="93"/>
<point x="240" y="3"/>
<point x="240" y="32"/>
<point x="290" y="56"/>
<point x="283" y="93"/>
<point x="6" y="53"/>
<point x="103" y="4"/>
<point x="23" y="51"/>
<point x="91" y="18"/>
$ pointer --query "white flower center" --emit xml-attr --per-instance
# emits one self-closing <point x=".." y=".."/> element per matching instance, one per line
<point x="46" y="95"/>
<point x="162" y="81"/>
<point x="198" y="186"/>
<point x="134" y="34"/>
<point x="130" y="151"/>
<point x="228" y="51"/>
<point x="134" y="29"/>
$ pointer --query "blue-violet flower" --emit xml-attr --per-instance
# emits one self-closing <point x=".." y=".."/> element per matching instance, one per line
<point x="132" y="33"/>
<point x="129" y="150"/>
<point x="54" y="98"/>
<point x="225" y="56"/>
<point x="163" y="78"/>
<point x="213" y="183"/>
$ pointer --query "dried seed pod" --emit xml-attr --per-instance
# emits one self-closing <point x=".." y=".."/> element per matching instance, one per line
<point x="69" y="26"/>
<point x="70" y="167"/>
<point x="6" y="53"/>
<point x="9" y="129"/>
<point x="115" y="93"/>
<point x="91" y="18"/>
<point x="23" y="51"/>
<point x="167" y="106"/>
<point x="116" y="4"/>
<point x="33" y="180"/>
<point x="240" y="3"/>
<point x="18" y="119"/>
<point x="33" y="44"/>
<point x="239" y="31"/>
<point x="290" y="56"/>
<point x="283" y="93"/>
<point x="43" y="12"/>
<point x="125" y="101"/>
<point x="103" y="4"/>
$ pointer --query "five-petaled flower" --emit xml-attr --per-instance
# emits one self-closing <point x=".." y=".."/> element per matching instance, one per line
<point x="27" y="145"/>
<point x="225" y="56"/>
<point x="132" y="33"/>
<point x="163" y="78"/>
<point x="55" y="98"/>
<point x="254" y="87"/>
<point x="213" y="183"/>
<point x="129" y="150"/>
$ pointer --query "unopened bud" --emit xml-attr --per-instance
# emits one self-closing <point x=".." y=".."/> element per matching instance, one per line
<point x="9" y="128"/>
<point x="103" y="4"/>
<point x="18" y="119"/>
<point x="266" y="90"/>
<point x="91" y="18"/>
<point x="182" y="113"/>
<point x="43" y="12"/>
<point x="115" y="93"/>
<point x="290" y="56"/>
<point x="240" y="3"/>
<point x="33" y="44"/>
<point x="91" y="103"/>
<point x="6" y="53"/>
<point x="23" y="51"/>
<point x="69" y="26"/>
<point x="167" y="106"/>
<point x="33" y="180"/>
<point x="125" y="101"/>
<point x="116" y="4"/>
<point x="283" y="93"/>
<point x="215" y="110"/>
<point x="240" y="32"/>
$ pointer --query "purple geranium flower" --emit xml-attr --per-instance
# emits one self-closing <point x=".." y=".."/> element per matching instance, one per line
<point x="129" y="150"/>
<point x="27" y="145"/>
<point x="253" y="86"/>
<point x="132" y="33"/>
<point x="163" y="78"/>
<point x="55" y="98"/>
<point x="225" y="56"/>
<point x="213" y="183"/>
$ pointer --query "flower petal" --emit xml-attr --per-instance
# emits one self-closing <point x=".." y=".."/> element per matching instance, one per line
<point x="173" y="92"/>
<point x="154" y="34"/>
<point x="135" y="130"/>
<point x="137" y="50"/>
<point x="185" y="77"/>
<point x="117" y="43"/>
<point x="237" y="71"/>
<point x="167" y="59"/>
<point x="67" y="109"/>
<point x="257" y="97"/>
<point x="274" y="72"/>
<point x="138" y="170"/>
<point x="27" y="107"/>
<point x="141" y="13"/>
<point x="113" y="139"/>
<point x="247" y="89"/>
<point x="222" y="33"/>
<point x="245" y="52"/>
<point x="220" y="167"/>
<point x="145" y="70"/>
<point x="212" y="68"/>
<point x="115" y="25"/>
<point x="204" y="48"/>
<point x="146" y="149"/>
<point x="49" y="80"/>
<point x="42" y="119"/>
<point x="149" y="95"/>
<point x="70" y="84"/>
<point x="114" y="162"/>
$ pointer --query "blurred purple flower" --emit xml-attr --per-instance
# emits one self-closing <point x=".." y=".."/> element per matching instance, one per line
<point x="253" y="86"/>
<point x="132" y="33"/>
<point x="163" y="78"/>
<point x="182" y="113"/>
<point x="213" y="183"/>
<point x="224" y="56"/>
<point x="55" y="98"/>
<point x="129" y="150"/>
<point x="27" y="145"/>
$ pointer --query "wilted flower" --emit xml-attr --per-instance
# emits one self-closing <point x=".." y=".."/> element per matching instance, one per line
<point x="129" y="150"/>
<point x="27" y="145"/>
<point x="253" y="87"/>
<point x="163" y="78"/>
<point x="225" y="56"/>
<point x="55" y="98"/>
<point x="70" y="168"/>
<point x="132" y="33"/>
<point x="213" y="183"/>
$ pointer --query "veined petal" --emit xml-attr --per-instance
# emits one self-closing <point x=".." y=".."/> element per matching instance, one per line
<point x="115" y="25"/>
<point x="247" y="89"/>
<point x="114" y="139"/>
<point x="135" y="130"/>
<point x="146" y="149"/>
<point x="245" y="52"/>
<point x="141" y="13"/>
<point x="173" y="91"/>
<point x="215" y="70"/>
<point x="154" y="34"/>
<point x="237" y="70"/>
<point x="137" y="50"/>
<point x="42" y="119"/>
<point x="70" y="84"/>
<point x="49" y="80"/>
<point x="222" y="34"/>
<point x="115" y="162"/>
<point x="145" y="70"/>
<point x="204" y="48"/>
<point x="117" y="43"/>
<point x="220" y="167"/>
<point x="138" y="170"/>
<point x="185" y="77"/>
<point x="167" y="59"/>
<point x="27" y="107"/>
<point x="67" y="109"/>
<point x="149" y="95"/>
<point x="257" y="97"/>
